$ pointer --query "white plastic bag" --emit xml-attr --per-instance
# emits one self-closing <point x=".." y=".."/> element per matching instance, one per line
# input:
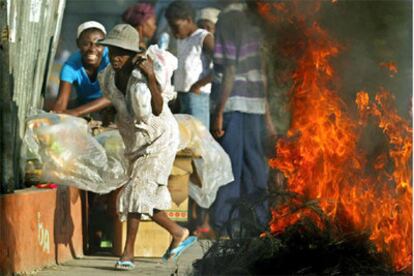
<point x="164" y="64"/>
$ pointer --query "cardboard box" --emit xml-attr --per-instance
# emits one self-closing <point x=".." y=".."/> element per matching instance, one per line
<point x="178" y="186"/>
<point x="152" y="240"/>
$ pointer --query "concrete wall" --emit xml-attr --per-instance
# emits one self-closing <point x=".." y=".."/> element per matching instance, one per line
<point x="38" y="228"/>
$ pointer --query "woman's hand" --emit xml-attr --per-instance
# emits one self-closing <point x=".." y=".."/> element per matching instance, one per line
<point x="145" y="65"/>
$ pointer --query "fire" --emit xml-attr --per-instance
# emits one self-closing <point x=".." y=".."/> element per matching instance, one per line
<point x="392" y="219"/>
<point x="322" y="159"/>
<point x="265" y="10"/>
<point x="391" y="67"/>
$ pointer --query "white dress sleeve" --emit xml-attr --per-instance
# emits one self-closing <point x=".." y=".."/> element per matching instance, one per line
<point x="139" y="97"/>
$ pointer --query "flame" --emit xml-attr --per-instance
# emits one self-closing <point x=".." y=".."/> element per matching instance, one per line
<point x="291" y="213"/>
<point x="391" y="67"/>
<point x="392" y="218"/>
<point x="322" y="160"/>
<point x="266" y="8"/>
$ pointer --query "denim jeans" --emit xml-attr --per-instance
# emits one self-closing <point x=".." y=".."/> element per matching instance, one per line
<point x="197" y="105"/>
<point x="243" y="142"/>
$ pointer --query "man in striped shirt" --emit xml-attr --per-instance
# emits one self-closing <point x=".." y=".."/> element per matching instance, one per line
<point x="240" y="115"/>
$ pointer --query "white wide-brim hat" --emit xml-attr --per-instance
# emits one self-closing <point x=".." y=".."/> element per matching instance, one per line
<point x="123" y="36"/>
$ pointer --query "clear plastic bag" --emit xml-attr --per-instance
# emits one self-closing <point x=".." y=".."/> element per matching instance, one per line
<point x="211" y="162"/>
<point x="114" y="147"/>
<point x="70" y="155"/>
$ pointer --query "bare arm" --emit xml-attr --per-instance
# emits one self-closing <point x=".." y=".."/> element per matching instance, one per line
<point x="208" y="45"/>
<point x="63" y="100"/>
<point x="225" y="91"/>
<point x="90" y="107"/>
<point x="196" y="87"/>
<point x="156" y="98"/>
<point x="271" y="130"/>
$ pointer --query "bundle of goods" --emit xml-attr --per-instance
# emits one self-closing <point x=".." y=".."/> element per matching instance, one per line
<point x="212" y="165"/>
<point x="70" y="155"/>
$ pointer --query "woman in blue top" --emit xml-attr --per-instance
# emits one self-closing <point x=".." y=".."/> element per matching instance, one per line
<point x="81" y="70"/>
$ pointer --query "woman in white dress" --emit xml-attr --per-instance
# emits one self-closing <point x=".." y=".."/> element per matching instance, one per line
<point x="151" y="140"/>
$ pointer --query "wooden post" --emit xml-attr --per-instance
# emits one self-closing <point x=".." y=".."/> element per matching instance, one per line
<point x="9" y="139"/>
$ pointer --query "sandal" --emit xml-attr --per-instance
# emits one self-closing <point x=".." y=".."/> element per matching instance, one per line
<point x="124" y="265"/>
<point x="176" y="252"/>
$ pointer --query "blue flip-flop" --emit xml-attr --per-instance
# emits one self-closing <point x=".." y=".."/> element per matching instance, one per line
<point x="124" y="265"/>
<point x="176" y="252"/>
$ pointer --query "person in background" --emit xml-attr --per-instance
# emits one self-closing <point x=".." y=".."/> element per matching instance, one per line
<point x="80" y="72"/>
<point x="241" y="119"/>
<point x="207" y="19"/>
<point x="192" y="79"/>
<point x="141" y="16"/>
<point x="151" y="142"/>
